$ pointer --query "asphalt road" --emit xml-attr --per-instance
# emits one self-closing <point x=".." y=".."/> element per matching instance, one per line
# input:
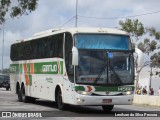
<point x="9" y="102"/>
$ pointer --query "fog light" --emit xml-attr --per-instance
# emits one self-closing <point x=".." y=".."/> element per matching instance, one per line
<point x="80" y="100"/>
<point x="84" y="93"/>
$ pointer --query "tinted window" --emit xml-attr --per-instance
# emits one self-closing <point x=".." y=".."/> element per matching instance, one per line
<point x="68" y="56"/>
<point x="13" y="52"/>
<point x="47" y="47"/>
<point x="102" y="41"/>
<point x="26" y="51"/>
<point x="2" y="77"/>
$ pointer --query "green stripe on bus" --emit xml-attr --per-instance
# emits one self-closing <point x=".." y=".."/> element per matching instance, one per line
<point x="98" y="88"/>
<point x="110" y="89"/>
<point x="28" y="68"/>
<point x="48" y="68"/>
<point x="80" y="88"/>
<point x="61" y="67"/>
<point x="16" y="68"/>
<point x="39" y="68"/>
<point x="30" y="80"/>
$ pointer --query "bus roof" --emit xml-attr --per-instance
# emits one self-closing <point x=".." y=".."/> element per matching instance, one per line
<point x="76" y="30"/>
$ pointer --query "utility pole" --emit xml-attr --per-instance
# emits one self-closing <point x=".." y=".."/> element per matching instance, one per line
<point x="2" y="46"/>
<point x="150" y="80"/>
<point x="76" y="13"/>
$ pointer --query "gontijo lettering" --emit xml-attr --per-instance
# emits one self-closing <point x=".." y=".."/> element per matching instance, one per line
<point x="49" y="68"/>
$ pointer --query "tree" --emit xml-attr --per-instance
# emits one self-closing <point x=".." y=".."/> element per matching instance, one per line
<point x="154" y="33"/>
<point x="134" y="27"/>
<point x="5" y="71"/>
<point x="136" y="31"/>
<point x="148" y="45"/>
<point x="16" y="8"/>
<point x="151" y="44"/>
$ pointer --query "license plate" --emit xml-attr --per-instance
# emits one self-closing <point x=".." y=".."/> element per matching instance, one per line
<point x="107" y="100"/>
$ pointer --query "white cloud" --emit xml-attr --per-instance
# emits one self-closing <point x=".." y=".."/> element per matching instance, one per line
<point x="54" y="13"/>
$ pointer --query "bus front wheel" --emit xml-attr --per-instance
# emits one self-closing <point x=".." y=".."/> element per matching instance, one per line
<point x="107" y="108"/>
<point x="59" y="101"/>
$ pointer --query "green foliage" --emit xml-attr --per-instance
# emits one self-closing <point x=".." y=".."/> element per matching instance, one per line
<point x="4" y="4"/>
<point x="154" y="33"/>
<point x="152" y="45"/>
<point x="136" y="30"/>
<point x="134" y="27"/>
<point x="141" y="46"/>
<point x="148" y="45"/>
<point x="23" y="7"/>
<point x="155" y="58"/>
<point x="5" y="71"/>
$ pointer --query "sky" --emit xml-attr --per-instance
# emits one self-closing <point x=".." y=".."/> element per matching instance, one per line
<point x="52" y="14"/>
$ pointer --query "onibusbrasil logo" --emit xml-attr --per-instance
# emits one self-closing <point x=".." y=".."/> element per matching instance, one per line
<point x="21" y="114"/>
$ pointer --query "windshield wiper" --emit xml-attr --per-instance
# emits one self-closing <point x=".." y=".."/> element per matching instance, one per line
<point x="100" y="73"/>
<point x="117" y="76"/>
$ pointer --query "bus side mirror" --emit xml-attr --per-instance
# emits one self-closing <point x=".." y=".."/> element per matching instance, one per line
<point x="74" y="56"/>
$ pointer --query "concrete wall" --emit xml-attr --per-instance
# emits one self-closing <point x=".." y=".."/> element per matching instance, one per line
<point x="147" y="100"/>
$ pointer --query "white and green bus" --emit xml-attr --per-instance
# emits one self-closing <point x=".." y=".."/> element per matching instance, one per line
<point x="77" y="66"/>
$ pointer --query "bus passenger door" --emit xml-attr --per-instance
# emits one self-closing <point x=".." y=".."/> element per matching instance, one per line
<point x="68" y="83"/>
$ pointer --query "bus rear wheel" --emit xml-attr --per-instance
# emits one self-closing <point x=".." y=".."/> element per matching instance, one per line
<point x="19" y="95"/>
<point x="59" y="101"/>
<point x="25" y="98"/>
<point x="107" y="108"/>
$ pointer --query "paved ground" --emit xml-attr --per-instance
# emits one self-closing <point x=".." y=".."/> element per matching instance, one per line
<point x="9" y="102"/>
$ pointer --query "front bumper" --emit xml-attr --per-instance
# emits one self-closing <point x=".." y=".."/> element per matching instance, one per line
<point x="98" y="100"/>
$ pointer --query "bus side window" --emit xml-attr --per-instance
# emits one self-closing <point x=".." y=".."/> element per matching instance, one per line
<point x="27" y="51"/>
<point x="68" y="56"/>
<point x="42" y="48"/>
<point x="14" y="55"/>
<point x="49" y="48"/>
<point x="58" y="45"/>
<point x="34" y="50"/>
<point x="70" y="66"/>
<point x="20" y="50"/>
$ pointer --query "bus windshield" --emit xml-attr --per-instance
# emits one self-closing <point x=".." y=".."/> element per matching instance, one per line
<point x="98" y="66"/>
<point x="102" y="41"/>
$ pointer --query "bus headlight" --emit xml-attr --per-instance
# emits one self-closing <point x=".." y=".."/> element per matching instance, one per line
<point x="129" y="93"/>
<point x="84" y="93"/>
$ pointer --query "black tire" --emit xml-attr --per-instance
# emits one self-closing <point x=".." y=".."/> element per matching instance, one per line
<point x="19" y="95"/>
<point x="32" y="100"/>
<point x="25" y="98"/>
<point x="7" y="88"/>
<point x="107" y="108"/>
<point x="59" y="101"/>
